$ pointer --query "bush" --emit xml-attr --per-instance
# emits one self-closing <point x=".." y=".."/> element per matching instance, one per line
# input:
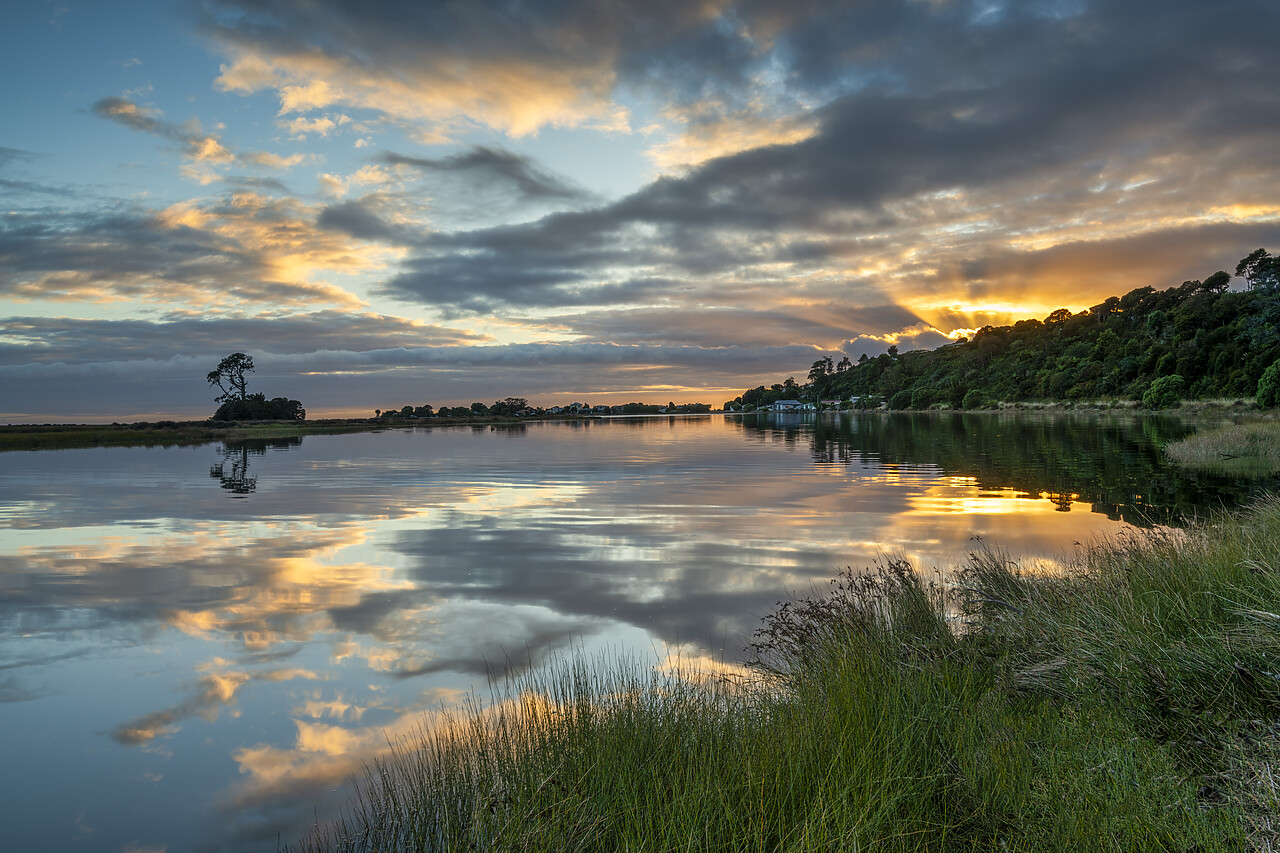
<point x="1269" y="386"/>
<point x="1164" y="392"/>
<point x="923" y="398"/>
<point x="901" y="400"/>
<point x="975" y="399"/>
<point x="256" y="407"/>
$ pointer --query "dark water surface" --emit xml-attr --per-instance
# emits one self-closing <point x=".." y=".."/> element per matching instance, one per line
<point x="198" y="646"/>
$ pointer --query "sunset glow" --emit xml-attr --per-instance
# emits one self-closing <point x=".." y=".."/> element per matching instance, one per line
<point x="448" y="202"/>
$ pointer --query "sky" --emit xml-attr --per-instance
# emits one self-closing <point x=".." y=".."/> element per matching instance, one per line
<point x="411" y="202"/>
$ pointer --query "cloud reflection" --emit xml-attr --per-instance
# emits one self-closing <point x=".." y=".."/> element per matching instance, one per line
<point x="213" y="692"/>
<point x="370" y="577"/>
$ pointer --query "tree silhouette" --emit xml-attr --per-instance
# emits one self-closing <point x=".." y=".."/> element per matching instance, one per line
<point x="231" y="371"/>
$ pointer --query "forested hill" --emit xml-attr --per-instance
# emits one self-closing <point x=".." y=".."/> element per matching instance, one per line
<point x="1218" y="342"/>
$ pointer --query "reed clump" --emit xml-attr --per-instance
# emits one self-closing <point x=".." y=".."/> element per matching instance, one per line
<point x="1132" y="703"/>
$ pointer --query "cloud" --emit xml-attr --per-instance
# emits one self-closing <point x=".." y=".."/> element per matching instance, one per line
<point x="241" y="248"/>
<point x="513" y="68"/>
<point x="1042" y="128"/>
<point x="839" y="177"/>
<point x="203" y="149"/>
<point x="13" y="155"/>
<point x="70" y="341"/>
<point x="482" y="162"/>
<point x="321" y="126"/>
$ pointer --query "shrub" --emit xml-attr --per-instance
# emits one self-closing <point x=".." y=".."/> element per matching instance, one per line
<point x="901" y="400"/>
<point x="924" y="397"/>
<point x="1164" y="392"/>
<point x="1269" y="386"/>
<point x="975" y="399"/>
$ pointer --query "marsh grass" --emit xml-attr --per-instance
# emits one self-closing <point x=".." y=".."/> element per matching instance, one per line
<point x="1248" y="449"/>
<point x="1129" y="704"/>
<point x="164" y="433"/>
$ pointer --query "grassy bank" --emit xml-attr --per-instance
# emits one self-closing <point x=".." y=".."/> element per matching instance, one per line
<point x="163" y="433"/>
<point x="186" y="433"/>
<point x="1133" y="704"/>
<point x="1250" y="448"/>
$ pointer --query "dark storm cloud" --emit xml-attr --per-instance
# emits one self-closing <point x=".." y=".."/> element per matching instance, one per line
<point x="486" y="163"/>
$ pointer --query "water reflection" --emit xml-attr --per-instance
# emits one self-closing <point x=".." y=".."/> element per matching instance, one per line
<point x="232" y="472"/>
<point x="181" y="670"/>
<point x="1111" y="462"/>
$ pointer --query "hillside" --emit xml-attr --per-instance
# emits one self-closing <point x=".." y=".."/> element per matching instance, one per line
<point x="1219" y="342"/>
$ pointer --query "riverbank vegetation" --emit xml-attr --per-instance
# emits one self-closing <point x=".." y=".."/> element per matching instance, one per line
<point x="163" y="433"/>
<point x="1131" y="703"/>
<point x="518" y="407"/>
<point x="1193" y="341"/>
<point x="1250" y="448"/>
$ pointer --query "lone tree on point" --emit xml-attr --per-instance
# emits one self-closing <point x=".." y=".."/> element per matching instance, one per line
<point x="231" y="370"/>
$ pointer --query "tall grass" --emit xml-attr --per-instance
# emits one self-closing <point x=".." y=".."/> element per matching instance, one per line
<point x="1131" y="704"/>
<point x="1248" y="449"/>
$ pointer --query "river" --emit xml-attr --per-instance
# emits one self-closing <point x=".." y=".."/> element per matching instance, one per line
<point x="199" y="646"/>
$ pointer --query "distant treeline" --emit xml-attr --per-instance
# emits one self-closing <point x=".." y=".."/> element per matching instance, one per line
<point x="518" y="407"/>
<point x="1195" y="340"/>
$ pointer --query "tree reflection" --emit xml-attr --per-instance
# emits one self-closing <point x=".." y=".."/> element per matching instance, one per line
<point x="1114" y="463"/>
<point x="232" y="472"/>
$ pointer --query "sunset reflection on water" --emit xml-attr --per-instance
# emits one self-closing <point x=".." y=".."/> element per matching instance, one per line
<point x="187" y="665"/>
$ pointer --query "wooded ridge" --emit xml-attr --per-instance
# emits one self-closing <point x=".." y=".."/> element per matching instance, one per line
<point x="1196" y="340"/>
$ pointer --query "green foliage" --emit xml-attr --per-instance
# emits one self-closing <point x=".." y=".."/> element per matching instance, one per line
<point x="975" y="399"/>
<point x="1220" y="342"/>
<point x="1268" y="394"/>
<point x="1125" y="705"/>
<point x="1164" y="392"/>
<point x="256" y="407"/>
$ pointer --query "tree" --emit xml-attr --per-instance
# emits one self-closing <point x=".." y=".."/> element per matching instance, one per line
<point x="230" y="372"/>
<point x="821" y="369"/>
<point x="1260" y="269"/>
<point x="1216" y="283"/>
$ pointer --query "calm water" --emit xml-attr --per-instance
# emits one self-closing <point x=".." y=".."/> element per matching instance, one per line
<point x="198" y="646"/>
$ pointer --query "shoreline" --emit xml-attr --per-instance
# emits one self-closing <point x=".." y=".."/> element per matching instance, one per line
<point x="168" y="433"/>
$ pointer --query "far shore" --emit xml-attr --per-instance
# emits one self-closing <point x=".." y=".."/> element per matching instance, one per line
<point x="168" y="433"/>
<point x="189" y="433"/>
